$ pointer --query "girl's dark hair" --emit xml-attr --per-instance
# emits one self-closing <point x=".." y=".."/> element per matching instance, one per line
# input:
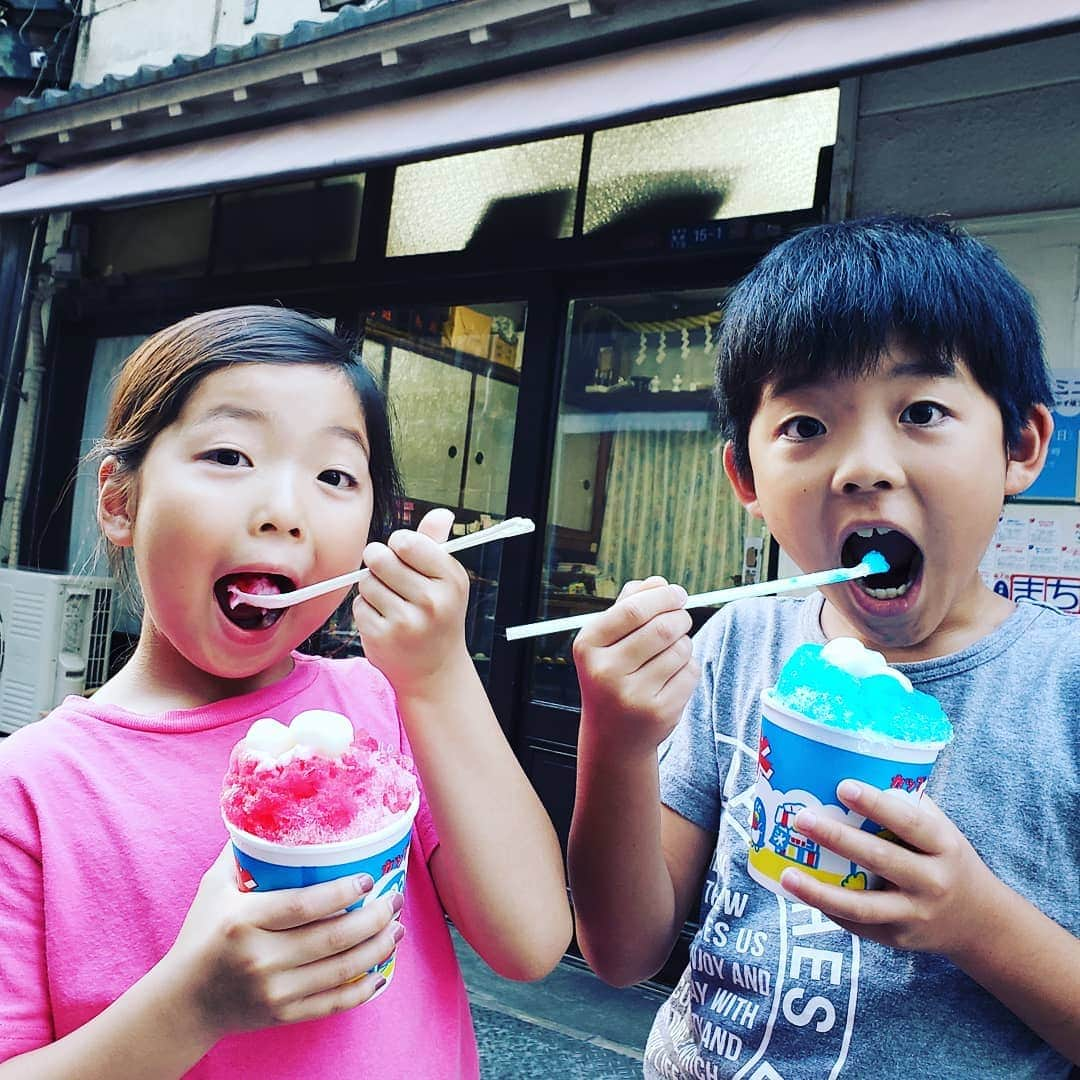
<point x="831" y="300"/>
<point x="160" y="375"/>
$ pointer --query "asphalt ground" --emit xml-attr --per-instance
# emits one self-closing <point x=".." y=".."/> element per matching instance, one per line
<point x="569" y="1025"/>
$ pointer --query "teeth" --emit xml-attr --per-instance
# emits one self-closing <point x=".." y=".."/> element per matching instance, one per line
<point x="887" y="594"/>
<point x="882" y="531"/>
<point x="864" y="533"/>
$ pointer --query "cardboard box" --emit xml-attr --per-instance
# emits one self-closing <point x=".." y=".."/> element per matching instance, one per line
<point x="468" y="331"/>
<point x="503" y="352"/>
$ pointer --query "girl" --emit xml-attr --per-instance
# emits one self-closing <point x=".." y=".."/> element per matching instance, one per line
<point x="251" y="441"/>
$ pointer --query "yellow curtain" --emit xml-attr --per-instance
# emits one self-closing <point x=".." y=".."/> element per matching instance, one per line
<point x="669" y="510"/>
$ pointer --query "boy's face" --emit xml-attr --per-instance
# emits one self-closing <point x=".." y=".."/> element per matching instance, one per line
<point x="910" y="464"/>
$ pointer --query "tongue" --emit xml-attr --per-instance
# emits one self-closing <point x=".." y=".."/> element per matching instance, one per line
<point x="253" y="585"/>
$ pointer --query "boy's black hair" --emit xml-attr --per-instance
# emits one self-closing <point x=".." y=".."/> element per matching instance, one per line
<point x="830" y="300"/>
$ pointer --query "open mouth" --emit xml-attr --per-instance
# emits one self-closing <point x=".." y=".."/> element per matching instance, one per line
<point x="247" y="616"/>
<point x="904" y="557"/>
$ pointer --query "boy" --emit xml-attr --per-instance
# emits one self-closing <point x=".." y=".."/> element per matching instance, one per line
<point x="881" y="375"/>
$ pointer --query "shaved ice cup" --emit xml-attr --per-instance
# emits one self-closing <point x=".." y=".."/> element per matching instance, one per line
<point x="262" y="865"/>
<point x="800" y="764"/>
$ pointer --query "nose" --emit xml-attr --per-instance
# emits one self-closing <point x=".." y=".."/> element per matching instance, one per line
<point x="867" y="464"/>
<point x="279" y="509"/>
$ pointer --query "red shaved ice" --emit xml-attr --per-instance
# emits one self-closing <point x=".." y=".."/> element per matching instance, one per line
<point x="306" y="797"/>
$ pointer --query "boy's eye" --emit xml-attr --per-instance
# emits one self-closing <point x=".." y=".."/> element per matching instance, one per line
<point x="802" y="427"/>
<point x="224" y="456"/>
<point x="337" y="478"/>
<point x="922" y="414"/>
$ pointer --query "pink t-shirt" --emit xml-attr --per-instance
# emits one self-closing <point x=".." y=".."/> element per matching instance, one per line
<point x="109" y="821"/>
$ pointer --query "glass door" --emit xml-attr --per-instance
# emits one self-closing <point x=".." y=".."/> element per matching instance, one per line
<point x="451" y="374"/>
<point x="637" y="488"/>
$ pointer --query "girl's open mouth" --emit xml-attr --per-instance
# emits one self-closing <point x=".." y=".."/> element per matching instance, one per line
<point x="905" y="561"/>
<point x="247" y="616"/>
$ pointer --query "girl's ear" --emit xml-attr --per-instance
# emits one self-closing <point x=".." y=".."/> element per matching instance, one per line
<point x="113" y="512"/>
<point x="1027" y="457"/>
<point x="743" y="486"/>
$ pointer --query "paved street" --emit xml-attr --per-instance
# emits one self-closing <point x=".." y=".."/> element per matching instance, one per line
<point x="570" y="1025"/>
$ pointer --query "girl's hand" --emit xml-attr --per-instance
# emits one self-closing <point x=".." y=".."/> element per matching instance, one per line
<point x="252" y="960"/>
<point x="635" y="667"/>
<point x="937" y="886"/>
<point x="410" y="611"/>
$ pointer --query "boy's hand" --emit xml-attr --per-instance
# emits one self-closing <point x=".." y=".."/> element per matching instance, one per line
<point x="245" y="961"/>
<point x="634" y="665"/>
<point x="410" y="611"/>
<point x="936" y="882"/>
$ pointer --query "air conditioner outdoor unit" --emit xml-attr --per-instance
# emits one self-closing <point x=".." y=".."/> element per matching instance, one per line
<point x="55" y="631"/>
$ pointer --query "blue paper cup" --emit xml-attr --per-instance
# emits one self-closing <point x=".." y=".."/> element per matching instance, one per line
<point x="800" y="763"/>
<point x="262" y="865"/>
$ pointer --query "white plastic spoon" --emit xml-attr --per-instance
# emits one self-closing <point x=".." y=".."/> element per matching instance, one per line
<point x="873" y="563"/>
<point x="515" y="526"/>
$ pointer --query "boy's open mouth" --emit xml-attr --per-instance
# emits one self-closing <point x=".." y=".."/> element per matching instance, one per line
<point x="247" y="616"/>
<point x="905" y="561"/>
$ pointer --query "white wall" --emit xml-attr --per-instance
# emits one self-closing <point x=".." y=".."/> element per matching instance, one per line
<point x="975" y="136"/>
<point x="118" y="36"/>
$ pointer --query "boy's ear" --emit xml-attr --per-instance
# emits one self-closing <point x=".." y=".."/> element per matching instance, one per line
<point x="113" y="512"/>
<point x="743" y="486"/>
<point x="1027" y="457"/>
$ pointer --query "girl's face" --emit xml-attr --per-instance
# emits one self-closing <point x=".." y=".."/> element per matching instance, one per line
<point x="264" y="473"/>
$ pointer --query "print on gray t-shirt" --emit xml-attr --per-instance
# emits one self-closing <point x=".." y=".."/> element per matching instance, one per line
<point x="774" y="988"/>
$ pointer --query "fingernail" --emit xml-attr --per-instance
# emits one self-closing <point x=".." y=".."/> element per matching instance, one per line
<point x="397" y="902"/>
<point x="399" y="932"/>
<point x="806" y="819"/>
<point x="848" y="790"/>
<point x="379" y="983"/>
<point x="363" y="883"/>
<point x="680" y="592"/>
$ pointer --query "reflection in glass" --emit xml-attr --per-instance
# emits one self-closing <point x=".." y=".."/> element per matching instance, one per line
<point x="638" y="486"/>
<point x="756" y="158"/>
<point x="488" y="199"/>
<point x="303" y="224"/>
<point x="166" y="239"/>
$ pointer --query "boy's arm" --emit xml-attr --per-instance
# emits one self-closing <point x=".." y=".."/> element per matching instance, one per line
<point x="634" y="864"/>
<point x="943" y="898"/>
<point x="498" y="868"/>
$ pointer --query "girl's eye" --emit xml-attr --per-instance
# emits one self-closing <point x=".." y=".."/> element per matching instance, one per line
<point x="337" y="478"/>
<point x="922" y="414"/>
<point x="224" y="456"/>
<point x="801" y="428"/>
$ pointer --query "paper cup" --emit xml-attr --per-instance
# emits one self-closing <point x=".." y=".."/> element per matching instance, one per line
<point x="262" y="865"/>
<point x="800" y="763"/>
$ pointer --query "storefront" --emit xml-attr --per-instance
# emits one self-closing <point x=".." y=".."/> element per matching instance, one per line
<point x="541" y="306"/>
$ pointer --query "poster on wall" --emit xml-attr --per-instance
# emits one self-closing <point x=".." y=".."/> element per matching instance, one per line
<point x="1035" y="555"/>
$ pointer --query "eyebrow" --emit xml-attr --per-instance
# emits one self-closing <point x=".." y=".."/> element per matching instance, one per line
<point x="919" y="367"/>
<point x="240" y="412"/>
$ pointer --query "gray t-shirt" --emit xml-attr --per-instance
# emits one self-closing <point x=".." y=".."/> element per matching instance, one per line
<point x="774" y="989"/>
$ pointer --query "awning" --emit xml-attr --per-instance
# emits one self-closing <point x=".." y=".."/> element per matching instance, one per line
<point x="652" y="80"/>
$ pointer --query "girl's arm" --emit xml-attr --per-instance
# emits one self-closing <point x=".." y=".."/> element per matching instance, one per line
<point x="635" y="865"/>
<point x="498" y="867"/>
<point x="944" y="899"/>
<point x="240" y="962"/>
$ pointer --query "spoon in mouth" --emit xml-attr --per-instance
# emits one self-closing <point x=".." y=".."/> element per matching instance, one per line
<point x="515" y="526"/>
<point x="872" y="563"/>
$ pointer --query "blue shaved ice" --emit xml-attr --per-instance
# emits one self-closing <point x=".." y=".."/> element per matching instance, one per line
<point x="876" y="561"/>
<point x="844" y="685"/>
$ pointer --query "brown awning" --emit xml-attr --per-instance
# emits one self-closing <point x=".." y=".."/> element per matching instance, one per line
<point x="667" y="77"/>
